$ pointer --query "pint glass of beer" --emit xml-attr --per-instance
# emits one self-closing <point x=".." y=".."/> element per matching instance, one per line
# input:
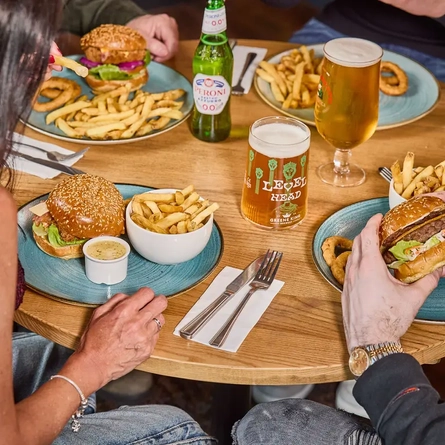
<point x="275" y="181"/>
<point x="347" y="105"/>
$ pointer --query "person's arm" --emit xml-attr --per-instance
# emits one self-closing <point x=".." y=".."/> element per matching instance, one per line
<point x="429" y="8"/>
<point x="402" y="405"/>
<point x="81" y="16"/>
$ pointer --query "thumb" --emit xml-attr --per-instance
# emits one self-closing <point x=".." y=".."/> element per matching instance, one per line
<point x="157" y="48"/>
<point x="421" y="289"/>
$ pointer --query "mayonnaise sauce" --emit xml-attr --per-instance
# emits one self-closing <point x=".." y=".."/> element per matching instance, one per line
<point x="106" y="250"/>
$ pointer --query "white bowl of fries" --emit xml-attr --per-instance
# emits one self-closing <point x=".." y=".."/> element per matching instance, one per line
<point x="409" y="181"/>
<point x="169" y="226"/>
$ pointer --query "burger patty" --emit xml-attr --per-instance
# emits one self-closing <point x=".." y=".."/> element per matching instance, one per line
<point x="422" y="234"/>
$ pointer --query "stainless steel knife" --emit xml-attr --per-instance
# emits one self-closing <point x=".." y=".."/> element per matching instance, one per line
<point x="51" y="164"/>
<point x="191" y="328"/>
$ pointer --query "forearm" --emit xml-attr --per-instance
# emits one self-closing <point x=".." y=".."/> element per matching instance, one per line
<point x="430" y="8"/>
<point x="42" y="416"/>
<point x="401" y="403"/>
<point x="81" y="16"/>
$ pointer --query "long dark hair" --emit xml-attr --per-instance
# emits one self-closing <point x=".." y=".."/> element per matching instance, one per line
<point x="27" y="28"/>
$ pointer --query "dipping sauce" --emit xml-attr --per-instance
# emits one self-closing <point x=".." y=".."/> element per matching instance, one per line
<point x="106" y="250"/>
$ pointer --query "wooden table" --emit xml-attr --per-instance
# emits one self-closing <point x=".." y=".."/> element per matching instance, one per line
<point x="300" y="337"/>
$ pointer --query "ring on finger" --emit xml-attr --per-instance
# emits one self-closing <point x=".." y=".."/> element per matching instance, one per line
<point x="158" y="323"/>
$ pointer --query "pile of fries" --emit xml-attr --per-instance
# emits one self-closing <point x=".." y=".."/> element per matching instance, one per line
<point x="411" y="181"/>
<point x="294" y="80"/>
<point x="171" y="213"/>
<point x="118" y="114"/>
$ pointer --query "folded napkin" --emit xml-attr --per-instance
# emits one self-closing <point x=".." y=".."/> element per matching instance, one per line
<point x="239" y="56"/>
<point x="248" y="318"/>
<point x="32" y="168"/>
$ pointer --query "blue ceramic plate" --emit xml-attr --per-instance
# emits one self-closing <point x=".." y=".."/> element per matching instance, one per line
<point x="66" y="280"/>
<point x="420" y="99"/>
<point x="162" y="78"/>
<point x="349" y="222"/>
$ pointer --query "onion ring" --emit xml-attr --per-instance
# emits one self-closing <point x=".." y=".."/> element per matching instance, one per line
<point x="50" y="93"/>
<point x="339" y="265"/>
<point x="67" y="88"/>
<point x="393" y="90"/>
<point x="330" y="244"/>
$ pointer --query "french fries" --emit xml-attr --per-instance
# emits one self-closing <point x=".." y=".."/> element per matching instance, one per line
<point x="294" y="80"/>
<point x="412" y="181"/>
<point x="117" y="114"/>
<point x="171" y="213"/>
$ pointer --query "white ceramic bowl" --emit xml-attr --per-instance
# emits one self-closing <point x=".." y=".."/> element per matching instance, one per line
<point x="106" y="271"/>
<point x="167" y="249"/>
<point x="394" y="198"/>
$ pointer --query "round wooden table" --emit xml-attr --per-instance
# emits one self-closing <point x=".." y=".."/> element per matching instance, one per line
<point x="300" y="337"/>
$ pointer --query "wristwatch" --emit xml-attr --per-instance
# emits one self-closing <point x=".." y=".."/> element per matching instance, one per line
<point x="362" y="357"/>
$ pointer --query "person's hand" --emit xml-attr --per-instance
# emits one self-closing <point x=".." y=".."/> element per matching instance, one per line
<point x="55" y="51"/>
<point x="430" y="8"/>
<point x="121" y="334"/>
<point x="376" y="307"/>
<point x="161" y="33"/>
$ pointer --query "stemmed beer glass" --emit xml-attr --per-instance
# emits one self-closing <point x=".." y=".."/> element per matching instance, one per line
<point x="347" y="105"/>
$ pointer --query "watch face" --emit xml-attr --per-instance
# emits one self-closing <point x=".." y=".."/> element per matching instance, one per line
<point x="358" y="361"/>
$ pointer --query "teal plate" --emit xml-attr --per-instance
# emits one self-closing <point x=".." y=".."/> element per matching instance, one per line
<point x="349" y="222"/>
<point x="422" y="96"/>
<point x="162" y="78"/>
<point x="66" y="280"/>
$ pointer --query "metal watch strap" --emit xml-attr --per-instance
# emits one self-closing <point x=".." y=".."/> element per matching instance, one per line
<point x="380" y="350"/>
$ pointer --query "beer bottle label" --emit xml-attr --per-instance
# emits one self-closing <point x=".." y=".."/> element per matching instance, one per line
<point x="214" y="21"/>
<point x="210" y="93"/>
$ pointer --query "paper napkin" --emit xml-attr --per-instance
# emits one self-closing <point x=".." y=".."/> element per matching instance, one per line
<point x="248" y="318"/>
<point x="30" y="167"/>
<point x="239" y="57"/>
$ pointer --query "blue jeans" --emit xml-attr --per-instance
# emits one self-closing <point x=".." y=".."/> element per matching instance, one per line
<point x="301" y="422"/>
<point x="314" y="32"/>
<point x="35" y="359"/>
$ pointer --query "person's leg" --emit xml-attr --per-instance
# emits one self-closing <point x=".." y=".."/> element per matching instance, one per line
<point x="314" y="32"/>
<point x="434" y="64"/>
<point x="137" y="425"/>
<point x="301" y="422"/>
<point x="34" y="360"/>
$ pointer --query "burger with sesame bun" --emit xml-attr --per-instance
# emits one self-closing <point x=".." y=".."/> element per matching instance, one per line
<point x="412" y="237"/>
<point x="79" y="208"/>
<point x="115" y="56"/>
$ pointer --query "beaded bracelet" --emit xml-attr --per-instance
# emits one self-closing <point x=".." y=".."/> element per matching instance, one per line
<point x="75" y="423"/>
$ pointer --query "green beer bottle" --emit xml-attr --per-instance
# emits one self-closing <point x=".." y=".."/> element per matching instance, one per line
<point x="212" y="83"/>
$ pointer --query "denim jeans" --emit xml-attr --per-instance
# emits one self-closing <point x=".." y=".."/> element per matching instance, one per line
<point x="301" y="422"/>
<point x="316" y="32"/>
<point x="35" y="359"/>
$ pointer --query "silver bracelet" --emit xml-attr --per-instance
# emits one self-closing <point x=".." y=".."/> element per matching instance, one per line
<point x="75" y="423"/>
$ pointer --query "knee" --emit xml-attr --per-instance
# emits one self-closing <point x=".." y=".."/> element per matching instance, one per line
<point x="270" y="422"/>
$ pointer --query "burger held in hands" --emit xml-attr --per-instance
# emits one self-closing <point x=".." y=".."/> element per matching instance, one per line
<point x="115" y="56"/>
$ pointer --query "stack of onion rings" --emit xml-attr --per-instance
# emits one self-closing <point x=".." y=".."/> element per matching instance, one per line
<point x="337" y="263"/>
<point x="396" y="83"/>
<point x="60" y="91"/>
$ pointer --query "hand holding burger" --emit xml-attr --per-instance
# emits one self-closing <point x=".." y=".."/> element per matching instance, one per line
<point x="376" y="306"/>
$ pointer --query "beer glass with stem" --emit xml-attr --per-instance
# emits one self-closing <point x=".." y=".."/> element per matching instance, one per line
<point x="347" y="105"/>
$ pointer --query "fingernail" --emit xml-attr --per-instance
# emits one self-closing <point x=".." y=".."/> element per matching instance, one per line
<point x="51" y="59"/>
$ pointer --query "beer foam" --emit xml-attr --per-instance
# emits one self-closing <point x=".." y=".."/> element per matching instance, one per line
<point x="348" y="51"/>
<point x="279" y="140"/>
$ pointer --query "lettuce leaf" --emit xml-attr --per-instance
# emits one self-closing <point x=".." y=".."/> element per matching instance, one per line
<point x="56" y="240"/>
<point x="40" y="229"/>
<point x="147" y="58"/>
<point x="399" y="249"/>
<point x="110" y="72"/>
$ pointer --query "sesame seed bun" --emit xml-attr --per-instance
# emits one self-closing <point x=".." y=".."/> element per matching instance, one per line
<point x="86" y="206"/>
<point x="113" y="44"/>
<point x="417" y="219"/>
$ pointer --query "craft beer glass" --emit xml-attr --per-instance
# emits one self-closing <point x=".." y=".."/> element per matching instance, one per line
<point x="275" y="182"/>
<point x="347" y="105"/>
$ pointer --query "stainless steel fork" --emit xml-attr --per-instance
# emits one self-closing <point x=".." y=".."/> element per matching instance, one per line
<point x="263" y="279"/>
<point x="385" y="173"/>
<point x="238" y="90"/>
